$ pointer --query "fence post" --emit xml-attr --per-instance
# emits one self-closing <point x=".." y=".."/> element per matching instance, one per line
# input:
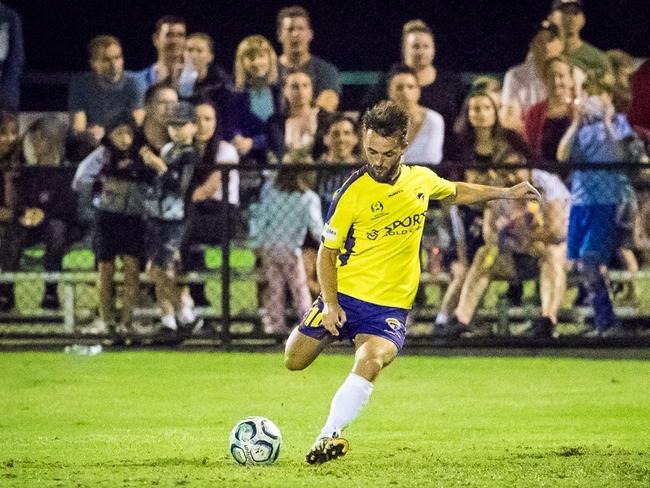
<point x="225" y="260"/>
<point x="68" y="307"/>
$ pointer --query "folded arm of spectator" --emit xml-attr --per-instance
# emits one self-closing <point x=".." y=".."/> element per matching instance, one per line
<point x="89" y="168"/>
<point x="153" y="161"/>
<point x="328" y="100"/>
<point x="209" y="188"/>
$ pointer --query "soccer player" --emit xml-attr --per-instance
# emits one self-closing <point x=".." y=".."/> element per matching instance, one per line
<point x="368" y="265"/>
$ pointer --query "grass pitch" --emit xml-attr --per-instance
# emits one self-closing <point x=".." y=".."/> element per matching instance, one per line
<point x="163" y="419"/>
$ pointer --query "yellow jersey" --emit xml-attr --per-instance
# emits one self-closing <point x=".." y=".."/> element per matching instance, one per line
<point x="377" y="227"/>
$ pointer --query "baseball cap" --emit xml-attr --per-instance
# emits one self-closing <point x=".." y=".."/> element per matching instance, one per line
<point x="558" y="4"/>
<point x="180" y="113"/>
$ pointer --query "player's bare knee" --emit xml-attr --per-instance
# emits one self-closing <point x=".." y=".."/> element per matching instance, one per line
<point x="368" y="367"/>
<point x="294" y="363"/>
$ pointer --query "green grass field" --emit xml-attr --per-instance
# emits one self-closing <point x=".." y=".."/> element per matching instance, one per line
<point x="163" y="418"/>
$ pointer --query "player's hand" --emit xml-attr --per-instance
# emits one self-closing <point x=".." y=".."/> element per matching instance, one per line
<point x="333" y="317"/>
<point x="523" y="191"/>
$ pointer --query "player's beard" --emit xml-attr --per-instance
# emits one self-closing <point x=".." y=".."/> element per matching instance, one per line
<point x="387" y="176"/>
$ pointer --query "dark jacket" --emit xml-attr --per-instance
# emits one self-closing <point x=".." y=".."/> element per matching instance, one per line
<point x="47" y="188"/>
<point x="239" y="120"/>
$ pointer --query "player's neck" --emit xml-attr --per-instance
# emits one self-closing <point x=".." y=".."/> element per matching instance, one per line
<point x="396" y="174"/>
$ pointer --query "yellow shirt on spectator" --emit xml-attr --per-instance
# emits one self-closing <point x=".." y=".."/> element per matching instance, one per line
<point x="377" y="227"/>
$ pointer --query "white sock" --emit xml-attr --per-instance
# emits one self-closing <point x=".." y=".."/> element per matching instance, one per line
<point x="187" y="301"/>
<point x="442" y="318"/>
<point x="169" y="321"/>
<point x="348" y="401"/>
<point x="186" y="315"/>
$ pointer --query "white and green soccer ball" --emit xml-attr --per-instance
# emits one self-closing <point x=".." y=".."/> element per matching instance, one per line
<point x="255" y="440"/>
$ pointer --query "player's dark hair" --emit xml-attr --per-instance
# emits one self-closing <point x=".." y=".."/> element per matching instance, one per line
<point x="387" y="119"/>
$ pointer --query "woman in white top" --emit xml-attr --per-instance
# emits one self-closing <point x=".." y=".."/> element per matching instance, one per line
<point x="205" y="221"/>
<point x="427" y="131"/>
<point x="299" y="128"/>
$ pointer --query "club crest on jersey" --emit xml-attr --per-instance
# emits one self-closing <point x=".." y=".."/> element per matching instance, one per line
<point x="394" y="323"/>
<point x="377" y="207"/>
<point x="419" y="193"/>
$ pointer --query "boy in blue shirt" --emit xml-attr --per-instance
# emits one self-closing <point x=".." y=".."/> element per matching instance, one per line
<point x="596" y="135"/>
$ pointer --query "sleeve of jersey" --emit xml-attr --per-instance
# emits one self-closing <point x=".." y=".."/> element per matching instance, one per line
<point x="439" y="188"/>
<point x="339" y="220"/>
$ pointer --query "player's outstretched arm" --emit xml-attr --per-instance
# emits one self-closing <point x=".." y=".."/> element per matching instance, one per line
<point x="468" y="193"/>
<point x="333" y="315"/>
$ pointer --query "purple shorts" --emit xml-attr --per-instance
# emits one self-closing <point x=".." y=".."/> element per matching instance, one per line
<point x="362" y="318"/>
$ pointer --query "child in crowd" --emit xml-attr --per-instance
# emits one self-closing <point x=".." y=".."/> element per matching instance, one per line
<point x="116" y="176"/>
<point x="165" y="205"/>
<point x="278" y="225"/>
<point x="596" y="135"/>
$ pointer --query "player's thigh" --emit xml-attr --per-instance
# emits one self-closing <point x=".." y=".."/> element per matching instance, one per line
<point x="301" y="350"/>
<point x="373" y="353"/>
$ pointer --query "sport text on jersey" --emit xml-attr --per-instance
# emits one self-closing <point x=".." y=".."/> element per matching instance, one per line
<point x="400" y="227"/>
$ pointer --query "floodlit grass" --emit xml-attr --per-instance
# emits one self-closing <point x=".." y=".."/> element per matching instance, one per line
<point x="163" y="419"/>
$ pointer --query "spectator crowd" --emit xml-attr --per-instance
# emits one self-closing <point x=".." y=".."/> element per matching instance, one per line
<point x="140" y="168"/>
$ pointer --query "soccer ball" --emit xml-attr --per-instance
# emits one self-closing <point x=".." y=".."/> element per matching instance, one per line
<point x="255" y="440"/>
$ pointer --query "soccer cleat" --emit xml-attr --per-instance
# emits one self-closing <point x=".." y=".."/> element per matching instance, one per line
<point x="326" y="449"/>
<point x="185" y="331"/>
<point x="165" y="336"/>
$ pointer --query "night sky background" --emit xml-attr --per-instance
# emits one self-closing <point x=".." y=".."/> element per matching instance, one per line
<point x="471" y="35"/>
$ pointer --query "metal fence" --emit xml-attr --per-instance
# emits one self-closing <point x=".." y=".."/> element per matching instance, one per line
<point x="229" y="275"/>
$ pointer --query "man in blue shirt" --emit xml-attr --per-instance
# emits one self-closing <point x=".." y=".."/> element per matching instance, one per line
<point x="169" y="40"/>
<point x="96" y="97"/>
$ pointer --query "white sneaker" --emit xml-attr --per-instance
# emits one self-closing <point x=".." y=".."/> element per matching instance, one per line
<point x="98" y="327"/>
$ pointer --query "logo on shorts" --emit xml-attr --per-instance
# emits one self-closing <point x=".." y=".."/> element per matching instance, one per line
<point x="377" y="207"/>
<point x="394" y="323"/>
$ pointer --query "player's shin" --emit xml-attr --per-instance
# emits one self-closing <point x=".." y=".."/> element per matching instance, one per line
<point x="348" y="401"/>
